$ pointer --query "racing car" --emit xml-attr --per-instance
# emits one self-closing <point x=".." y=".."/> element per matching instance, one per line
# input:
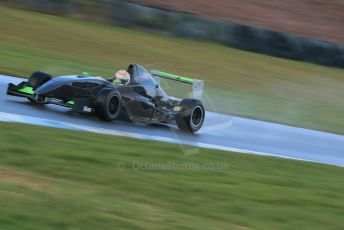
<point x="141" y="100"/>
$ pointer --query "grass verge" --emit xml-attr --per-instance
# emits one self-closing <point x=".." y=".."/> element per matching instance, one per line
<point x="237" y="82"/>
<point x="58" y="179"/>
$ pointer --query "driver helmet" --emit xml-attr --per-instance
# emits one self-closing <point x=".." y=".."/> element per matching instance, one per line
<point x="122" y="77"/>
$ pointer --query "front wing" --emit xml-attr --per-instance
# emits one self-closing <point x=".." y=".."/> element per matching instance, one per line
<point x="82" y="105"/>
<point x="20" y="90"/>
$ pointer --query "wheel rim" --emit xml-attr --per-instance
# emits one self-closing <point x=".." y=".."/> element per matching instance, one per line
<point x="114" y="105"/>
<point x="197" y="116"/>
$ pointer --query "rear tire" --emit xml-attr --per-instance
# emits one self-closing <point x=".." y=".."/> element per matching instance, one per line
<point x="191" y="118"/>
<point x="37" y="79"/>
<point x="108" y="105"/>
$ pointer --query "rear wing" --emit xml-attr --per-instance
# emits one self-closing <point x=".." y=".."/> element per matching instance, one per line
<point x="197" y="85"/>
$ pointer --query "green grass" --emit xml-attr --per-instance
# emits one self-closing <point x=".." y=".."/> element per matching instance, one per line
<point x="237" y="82"/>
<point x="57" y="179"/>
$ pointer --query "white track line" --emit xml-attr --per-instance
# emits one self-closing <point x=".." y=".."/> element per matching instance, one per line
<point x="9" y="117"/>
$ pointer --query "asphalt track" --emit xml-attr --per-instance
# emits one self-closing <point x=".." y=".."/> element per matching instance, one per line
<point x="220" y="131"/>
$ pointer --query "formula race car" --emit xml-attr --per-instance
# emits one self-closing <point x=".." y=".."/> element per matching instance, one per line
<point x="141" y="100"/>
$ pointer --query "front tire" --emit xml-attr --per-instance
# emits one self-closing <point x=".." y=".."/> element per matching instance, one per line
<point x="37" y="79"/>
<point x="191" y="118"/>
<point x="108" y="104"/>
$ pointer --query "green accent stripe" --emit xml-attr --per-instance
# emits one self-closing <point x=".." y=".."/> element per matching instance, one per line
<point x="172" y="76"/>
<point x="70" y="102"/>
<point x="27" y="90"/>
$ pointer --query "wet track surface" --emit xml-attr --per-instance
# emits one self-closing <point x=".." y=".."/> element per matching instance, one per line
<point x="219" y="131"/>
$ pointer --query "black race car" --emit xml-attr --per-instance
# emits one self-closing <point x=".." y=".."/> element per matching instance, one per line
<point x="142" y="100"/>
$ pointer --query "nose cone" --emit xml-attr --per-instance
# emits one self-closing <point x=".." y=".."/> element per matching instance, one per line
<point x="54" y="84"/>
